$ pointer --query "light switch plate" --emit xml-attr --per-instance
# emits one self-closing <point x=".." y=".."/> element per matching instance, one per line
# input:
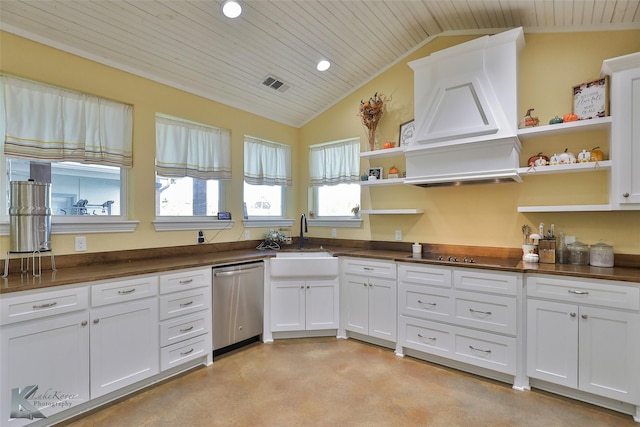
<point x="398" y="234"/>
<point x="247" y="235"/>
<point x="333" y="232"/>
<point x="81" y="243"/>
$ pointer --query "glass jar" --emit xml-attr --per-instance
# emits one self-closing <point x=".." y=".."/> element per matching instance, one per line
<point x="601" y="255"/>
<point x="578" y="253"/>
<point x="562" y="253"/>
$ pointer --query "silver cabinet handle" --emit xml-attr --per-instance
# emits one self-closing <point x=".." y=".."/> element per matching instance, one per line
<point x="584" y="316"/>
<point x="45" y="305"/>
<point x="186" y="304"/>
<point x="186" y="352"/>
<point x="128" y="291"/>
<point x="479" y="349"/>
<point x="96" y="321"/>
<point x="572" y="314"/>
<point x="432" y="304"/>
<point x="625" y="194"/>
<point x="186" y="330"/>
<point x="484" y="313"/>
<point x="427" y="338"/>
<point x="364" y="284"/>
<point x="368" y="268"/>
<point x="185" y="282"/>
<point x="83" y="323"/>
<point x="578" y="292"/>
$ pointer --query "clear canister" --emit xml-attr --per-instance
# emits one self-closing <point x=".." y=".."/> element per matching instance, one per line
<point x="578" y="253"/>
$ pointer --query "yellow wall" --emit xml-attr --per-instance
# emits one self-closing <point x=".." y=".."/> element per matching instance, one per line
<point x="483" y="215"/>
<point x="486" y="215"/>
<point x="34" y="61"/>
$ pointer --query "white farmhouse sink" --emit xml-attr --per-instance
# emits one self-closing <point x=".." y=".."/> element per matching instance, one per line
<point x="305" y="265"/>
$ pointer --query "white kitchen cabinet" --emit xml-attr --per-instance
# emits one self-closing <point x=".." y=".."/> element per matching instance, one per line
<point x="583" y="334"/>
<point x="124" y="344"/>
<point x="185" y="313"/>
<point x="44" y="368"/>
<point x="624" y="74"/>
<point x="299" y="305"/>
<point x="369" y="295"/>
<point x="462" y="314"/>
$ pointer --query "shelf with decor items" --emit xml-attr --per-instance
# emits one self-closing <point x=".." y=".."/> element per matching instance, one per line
<point x="387" y="181"/>
<point x="380" y="154"/>
<point x="566" y="129"/>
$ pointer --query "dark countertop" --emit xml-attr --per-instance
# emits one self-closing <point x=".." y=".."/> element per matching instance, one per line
<point x="16" y="282"/>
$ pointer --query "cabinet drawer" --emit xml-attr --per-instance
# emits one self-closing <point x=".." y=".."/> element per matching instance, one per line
<point x="18" y="308"/>
<point x="585" y="291"/>
<point x="367" y="267"/>
<point x="422" y="275"/>
<point x="490" y="312"/>
<point x="429" y="337"/>
<point x="497" y="283"/>
<point x="185" y="351"/>
<point x="183" y="280"/>
<point x="184" y="327"/>
<point x="426" y="302"/>
<point x="123" y="290"/>
<point x="185" y="302"/>
<point x="486" y="350"/>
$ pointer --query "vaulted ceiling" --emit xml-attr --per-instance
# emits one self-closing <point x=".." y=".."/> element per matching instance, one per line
<point x="190" y="45"/>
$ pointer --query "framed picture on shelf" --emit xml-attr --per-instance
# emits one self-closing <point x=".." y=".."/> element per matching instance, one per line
<point x="406" y="133"/>
<point x="591" y="100"/>
<point x="375" y="173"/>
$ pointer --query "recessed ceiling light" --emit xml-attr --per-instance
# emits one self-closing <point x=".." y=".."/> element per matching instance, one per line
<point x="231" y="8"/>
<point x="323" y="65"/>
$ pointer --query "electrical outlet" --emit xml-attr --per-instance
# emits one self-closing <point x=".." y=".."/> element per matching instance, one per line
<point x="398" y="234"/>
<point x="247" y="234"/>
<point x="200" y="237"/>
<point x="333" y="232"/>
<point x="81" y="243"/>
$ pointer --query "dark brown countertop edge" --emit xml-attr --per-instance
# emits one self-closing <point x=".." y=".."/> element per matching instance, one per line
<point x="75" y="269"/>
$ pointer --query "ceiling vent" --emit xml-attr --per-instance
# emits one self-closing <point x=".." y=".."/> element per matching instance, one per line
<point x="275" y="84"/>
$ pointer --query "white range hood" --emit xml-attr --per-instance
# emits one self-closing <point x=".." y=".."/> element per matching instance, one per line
<point x="466" y="114"/>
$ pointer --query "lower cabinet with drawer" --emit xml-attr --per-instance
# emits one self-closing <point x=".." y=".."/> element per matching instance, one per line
<point x="185" y="317"/>
<point x="467" y="316"/>
<point x="584" y="334"/>
<point x="44" y="354"/>
<point x="368" y="300"/>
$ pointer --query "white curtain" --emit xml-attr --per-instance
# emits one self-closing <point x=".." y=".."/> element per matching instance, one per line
<point x="335" y="163"/>
<point x="54" y="124"/>
<point x="266" y="163"/>
<point x="189" y="149"/>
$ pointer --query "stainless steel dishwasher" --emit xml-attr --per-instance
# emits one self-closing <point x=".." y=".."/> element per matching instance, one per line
<point x="238" y="305"/>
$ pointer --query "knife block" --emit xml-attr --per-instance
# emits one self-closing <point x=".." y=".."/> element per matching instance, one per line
<point x="547" y="251"/>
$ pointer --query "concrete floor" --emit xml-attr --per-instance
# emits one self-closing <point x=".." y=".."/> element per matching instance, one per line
<point x="332" y="382"/>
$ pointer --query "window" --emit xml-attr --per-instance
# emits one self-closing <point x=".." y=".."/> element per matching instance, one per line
<point x="267" y="173"/>
<point x="192" y="162"/>
<point x="335" y="176"/>
<point x="79" y="143"/>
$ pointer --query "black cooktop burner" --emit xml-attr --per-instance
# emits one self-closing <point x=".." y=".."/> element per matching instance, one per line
<point x="468" y="260"/>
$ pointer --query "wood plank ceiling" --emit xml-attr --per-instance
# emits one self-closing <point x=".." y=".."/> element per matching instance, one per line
<point x="190" y="45"/>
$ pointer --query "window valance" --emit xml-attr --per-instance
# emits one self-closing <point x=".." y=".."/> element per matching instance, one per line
<point x="266" y="162"/>
<point x="187" y="149"/>
<point x="335" y="163"/>
<point x="53" y="124"/>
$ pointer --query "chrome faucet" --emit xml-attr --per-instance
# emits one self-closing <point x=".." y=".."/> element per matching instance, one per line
<point x="303" y="229"/>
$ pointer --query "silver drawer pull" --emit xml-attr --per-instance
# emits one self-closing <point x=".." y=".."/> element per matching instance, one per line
<point x="484" y="313"/>
<point x="432" y="304"/>
<point x="186" y="330"/>
<point x="186" y="352"/>
<point x="427" y="338"/>
<point x="45" y="305"/>
<point x="368" y="268"/>
<point x="128" y="291"/>
<point x="479" y="349"/>
<point x="186" y="282"/>
<point x="186" y="304"/>
<point x="578" y="292"/>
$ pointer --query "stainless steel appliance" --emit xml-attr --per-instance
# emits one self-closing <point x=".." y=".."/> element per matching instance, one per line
<point x="238" y="305"/>
<point x="30" y="216"/>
